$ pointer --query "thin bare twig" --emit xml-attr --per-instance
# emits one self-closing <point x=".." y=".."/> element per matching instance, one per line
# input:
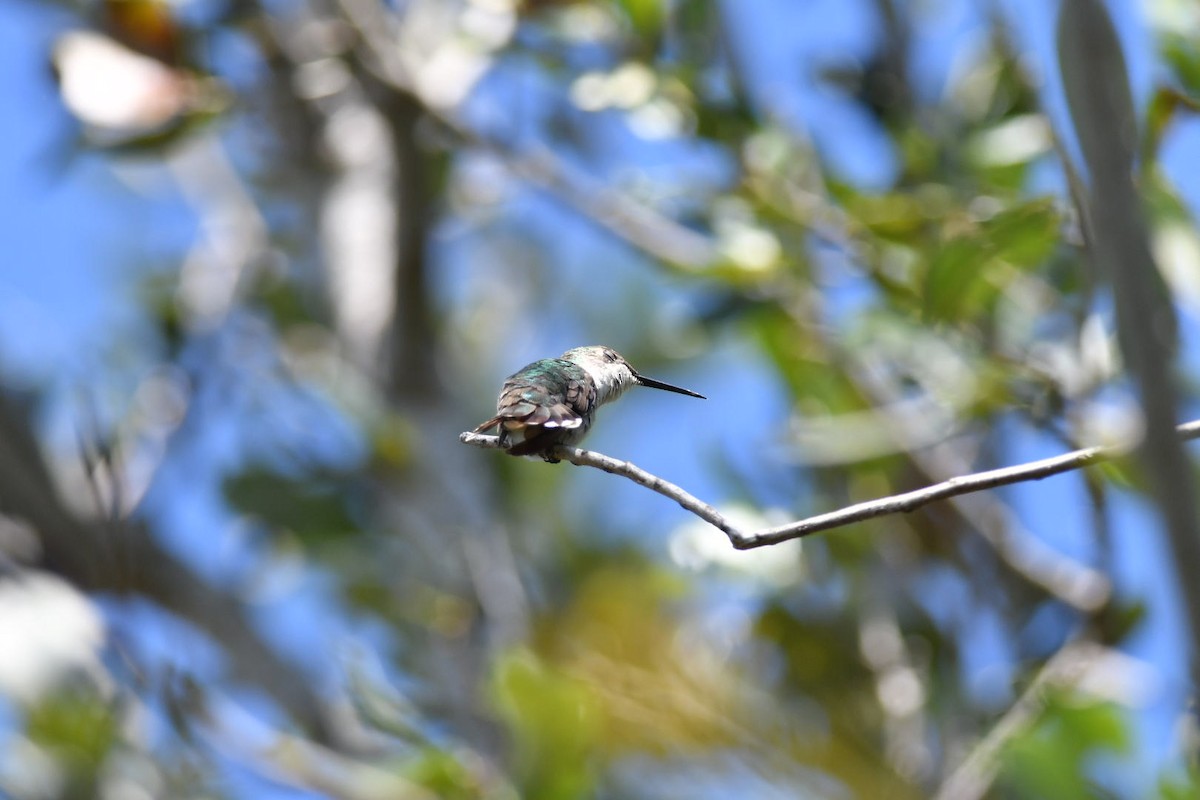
<point x="590" y="458"/>
<point x="1072" y="582"/>
<point x="893" y="504"/>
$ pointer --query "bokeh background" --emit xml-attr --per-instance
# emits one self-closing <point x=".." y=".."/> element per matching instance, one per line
<point x="263" y="261"/>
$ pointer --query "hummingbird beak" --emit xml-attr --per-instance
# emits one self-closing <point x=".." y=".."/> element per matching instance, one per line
<point x="666" y="387"/>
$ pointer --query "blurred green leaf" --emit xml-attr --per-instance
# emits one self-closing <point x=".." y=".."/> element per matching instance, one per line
<point x="818" y="385"/>
<point x="960" y="279"/>
<point x="312" y="507"/>
<point x="555" y="721"/>
<point x="970" y="270"/>
<point x="1125" y="472"/>
<point x="646" y="16"/>
<point x="1182" y="56"/>
<point x="283" y="300"/>
<point x="443" y="772"/>
<point x="1049" y="761"/>
<point x="809" y="659"/>
<point x="896" y="216"/>
<point x="1182" y="786"/>
<point x="1118" y="620"/>
<point x="1027" y="234"/>
<point x="1166" y="105"/>
<point x="80" y="730"/>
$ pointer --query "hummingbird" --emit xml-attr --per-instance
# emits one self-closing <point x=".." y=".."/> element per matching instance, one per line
<point x="553" y="401"/>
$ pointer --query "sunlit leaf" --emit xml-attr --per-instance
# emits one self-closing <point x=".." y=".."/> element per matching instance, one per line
<point x="970" y="270"/>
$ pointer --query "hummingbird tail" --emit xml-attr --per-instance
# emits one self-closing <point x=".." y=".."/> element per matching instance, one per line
<point x="484" y="426"/>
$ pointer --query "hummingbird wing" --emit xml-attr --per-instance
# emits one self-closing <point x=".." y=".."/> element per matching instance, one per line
<point x="541" y="402"/>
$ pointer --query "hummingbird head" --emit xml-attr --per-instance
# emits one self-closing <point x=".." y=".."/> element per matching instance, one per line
<point x="612" y="374"/>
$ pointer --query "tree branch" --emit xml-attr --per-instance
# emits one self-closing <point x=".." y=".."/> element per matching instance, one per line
<point x="1076" y="584"/>
<point x="590" y="458"/>
<point x="1100" y="99"/>
<point x="893" y="504"/>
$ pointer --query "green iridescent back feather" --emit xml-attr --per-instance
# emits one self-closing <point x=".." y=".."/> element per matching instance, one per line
<point x="548" y="402"/>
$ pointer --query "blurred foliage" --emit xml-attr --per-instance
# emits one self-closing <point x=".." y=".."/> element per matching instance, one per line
<point x="393" y="199"/>
<point x="79" y="730"/>
<point x="311" y="509"/>
<point x="1052" y="759"/>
